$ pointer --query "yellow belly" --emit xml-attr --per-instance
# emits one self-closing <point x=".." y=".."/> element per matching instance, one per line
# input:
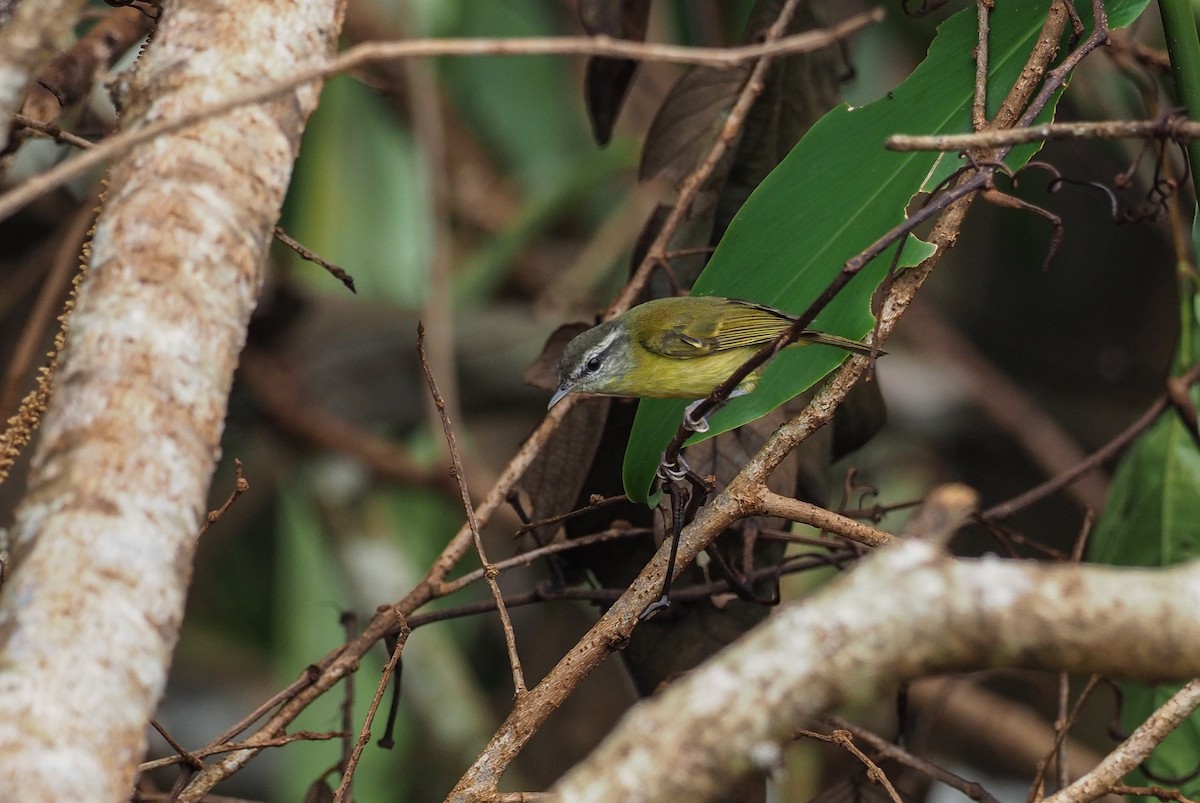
<point x="662" y="377"/>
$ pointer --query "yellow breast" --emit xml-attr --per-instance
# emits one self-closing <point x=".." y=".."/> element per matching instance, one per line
<point x="659" y="377"/>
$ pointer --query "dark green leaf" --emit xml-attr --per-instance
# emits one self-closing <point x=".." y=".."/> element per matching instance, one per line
<point x="836" y="193"/>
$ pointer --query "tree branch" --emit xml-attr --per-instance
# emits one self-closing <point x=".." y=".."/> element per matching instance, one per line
<point x="905" y="611"/>
<point x="104" y="538"/>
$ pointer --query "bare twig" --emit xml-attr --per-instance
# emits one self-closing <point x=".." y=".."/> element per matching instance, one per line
<point x="1172" y="127"/>
<point x="1152" y="791"/>
<point x="1062" y="728"/>
<point x="772" y="504"/>
<point x="1134" y="750"/>
<point x="181" y="752"/>
<point x="240" y="486"/>
<point x="53" y="130"/>
<point x="312" y="256"/>
<point x="896" y="753"/>
<point x="607" y="596"/>
<point x="364" y="735"/>
<point x="229" y="747"/>
<point x="1057" y="77"/>
<point x="385" y="51"/>
<point x="526" y="558"/>
<point x="1099" y="457"/>
<point x="845" y="740"/>
<point x="490" y="571"/>
<point x="284" y="694"/>
<point x="983" y="9"/>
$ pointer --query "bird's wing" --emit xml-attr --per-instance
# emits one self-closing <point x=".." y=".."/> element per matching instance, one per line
<point x="728" y="324"/>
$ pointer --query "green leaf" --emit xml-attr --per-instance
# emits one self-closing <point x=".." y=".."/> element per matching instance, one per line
<point x="837" y="192"/>
<point x="1153" y="513"/>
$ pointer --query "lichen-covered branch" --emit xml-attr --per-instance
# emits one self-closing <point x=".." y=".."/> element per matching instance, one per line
<point x="103" y="540"/>
<point x="905" y="611"/>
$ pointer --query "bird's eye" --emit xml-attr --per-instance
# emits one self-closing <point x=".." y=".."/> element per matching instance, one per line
<point x="593" y="365"/>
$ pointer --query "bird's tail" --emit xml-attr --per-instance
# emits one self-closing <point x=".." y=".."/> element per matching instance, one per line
<point x="845" y="343"/>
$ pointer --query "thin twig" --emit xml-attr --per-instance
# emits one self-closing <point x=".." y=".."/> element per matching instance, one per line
<point x="979" y="102"/>
<point x="53" y="131"/>
<point x="526" y="558"/>
<point x="309" y="255"/>
<point x="886" y="749"/>
<point x="1134" y="750"/>
<point x="490" y="571"/>
<point x="181" y="752"/>
<point x="371" y="52"/>
<point x="606" y="596"/>
<point x="1172" y="127"/>
<point x="1151" y="791"/>
<point x="240" y="486"/>
<point x="1061" y="725"/>
<point x="594" y="503"/>
<point x="1056" y="78"/>
<point x="1062" y="729"/>
<point x="845" y="740"/>
<point x="284" y="694"/>
<point x="1097" y="458"/>
<point x="364" y="735"/>
<point x="349" y="627"/>
<point x="229" y="747"/>
<point x="773" y="504"/>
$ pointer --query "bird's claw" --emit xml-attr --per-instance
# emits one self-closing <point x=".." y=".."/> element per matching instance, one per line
<point x="691" y="422"/>
<point x="674" y="472"/>
<point x="654" y="607"/>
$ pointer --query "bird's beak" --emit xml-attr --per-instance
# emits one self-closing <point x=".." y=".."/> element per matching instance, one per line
<point x="563" y="390"/>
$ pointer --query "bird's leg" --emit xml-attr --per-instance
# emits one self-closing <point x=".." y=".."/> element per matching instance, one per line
<point x="690" y="422"/>
<point x="679" y="495"/>
<point x="675" y="472"/>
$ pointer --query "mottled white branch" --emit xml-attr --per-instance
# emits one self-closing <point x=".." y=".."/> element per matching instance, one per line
<point x="104" y="539"/>
<point x="907" y="610"/>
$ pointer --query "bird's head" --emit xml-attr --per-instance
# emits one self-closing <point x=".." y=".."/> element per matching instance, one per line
<point x="599" y="360"/>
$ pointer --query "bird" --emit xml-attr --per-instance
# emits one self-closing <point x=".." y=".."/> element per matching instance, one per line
<point x="678" y="348"/>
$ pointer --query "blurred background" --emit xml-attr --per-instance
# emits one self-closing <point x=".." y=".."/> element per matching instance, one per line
<point x="471" y="195"/>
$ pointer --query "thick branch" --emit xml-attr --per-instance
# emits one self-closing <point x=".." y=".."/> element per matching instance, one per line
<point x="905" y="611"/>
<point x="103" y="540"/>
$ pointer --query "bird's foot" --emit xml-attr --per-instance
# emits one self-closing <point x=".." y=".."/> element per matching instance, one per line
<point x="659" y="604"/>
<point x="690" y="421"/>
<point x="675" y="472"/>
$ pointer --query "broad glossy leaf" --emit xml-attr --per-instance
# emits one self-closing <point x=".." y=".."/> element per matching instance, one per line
<point x="837" y="192"/>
